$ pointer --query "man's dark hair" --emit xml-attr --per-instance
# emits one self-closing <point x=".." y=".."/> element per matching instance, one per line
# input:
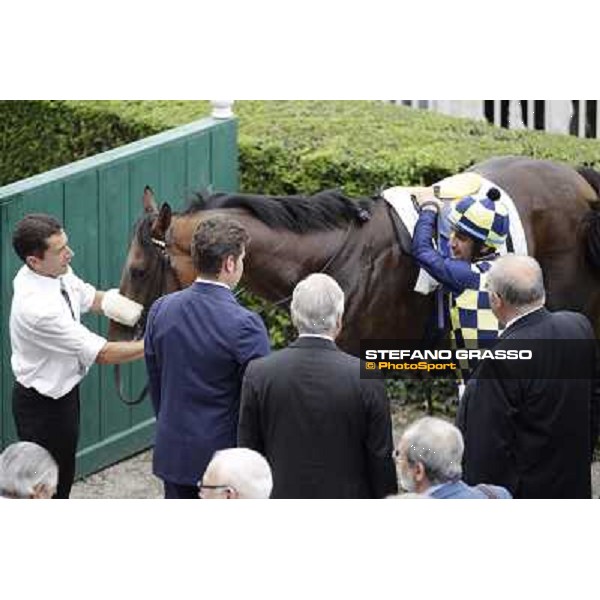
<point x="30" y="237"/>
<point x="214" y="240"/>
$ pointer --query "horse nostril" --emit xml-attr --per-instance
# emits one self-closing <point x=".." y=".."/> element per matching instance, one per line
<point x="136" y="273"/>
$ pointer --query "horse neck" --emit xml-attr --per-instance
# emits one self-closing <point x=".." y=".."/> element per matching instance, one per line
<point x="276" y="259"/>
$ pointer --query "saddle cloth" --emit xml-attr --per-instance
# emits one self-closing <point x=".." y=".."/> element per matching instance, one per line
<point x="450" y="190"/>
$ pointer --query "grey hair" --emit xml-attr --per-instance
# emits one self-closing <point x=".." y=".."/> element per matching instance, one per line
<point x="245" y="470"/>
<point x="23" y="467"/>
<point x="438" y="446"/>
<point x="518" y="280"/>
<point x="317" y="304"/>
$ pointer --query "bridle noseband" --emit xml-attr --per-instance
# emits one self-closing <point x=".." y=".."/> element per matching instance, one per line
<point x="159" y="285"/>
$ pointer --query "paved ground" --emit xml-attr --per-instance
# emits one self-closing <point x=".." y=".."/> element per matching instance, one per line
<point x="133" y="478"/>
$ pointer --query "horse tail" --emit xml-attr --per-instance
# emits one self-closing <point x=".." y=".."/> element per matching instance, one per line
<point x="591" y="220"/>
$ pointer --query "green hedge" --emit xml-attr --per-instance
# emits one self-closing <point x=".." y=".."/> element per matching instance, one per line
<point x="39" y="135"/>
<point x="285" y="147"/>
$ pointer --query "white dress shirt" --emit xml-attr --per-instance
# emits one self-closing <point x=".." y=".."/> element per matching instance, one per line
<point x="51" y="350"/>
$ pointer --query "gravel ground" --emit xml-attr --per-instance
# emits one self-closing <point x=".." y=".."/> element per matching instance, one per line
<point x="132" y="478"/>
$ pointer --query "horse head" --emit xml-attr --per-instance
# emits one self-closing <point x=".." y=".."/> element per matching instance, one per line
<point x="148" y="272"/>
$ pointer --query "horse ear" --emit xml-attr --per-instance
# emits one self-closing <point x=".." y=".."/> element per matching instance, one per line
<point x="149" y="201"/>
<point x="162" y="222"/>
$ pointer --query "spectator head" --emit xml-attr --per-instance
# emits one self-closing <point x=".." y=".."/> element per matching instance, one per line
<point x="218" y="249"/>
<point x="318" y="305"/>
<point x="27" y="471"/>
<point x="516" y="286"/>
<point x="41" y="243"/>
<point x="236" y="474"/>
<point x="429" y="453"/>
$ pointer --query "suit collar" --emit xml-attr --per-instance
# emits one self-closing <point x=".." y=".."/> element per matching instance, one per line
<point x="529" y="319"/>
<point x="313" y="342"/>
<point x="205" y="287"/>
<point x="212" y="282"/>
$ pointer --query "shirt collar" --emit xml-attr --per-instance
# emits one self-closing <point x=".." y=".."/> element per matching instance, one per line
<point x="212" y="282"/>
<point x="30" y="277"/>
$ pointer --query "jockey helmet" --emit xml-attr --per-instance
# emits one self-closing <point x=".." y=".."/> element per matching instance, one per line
<point x="484" y="219"/>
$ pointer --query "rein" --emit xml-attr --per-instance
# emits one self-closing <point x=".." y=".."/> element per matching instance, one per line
<point x="158" y="287"/>
<point x="323" y="269"/>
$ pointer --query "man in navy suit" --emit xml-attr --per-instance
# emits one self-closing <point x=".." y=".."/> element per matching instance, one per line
<point x="429" y="458"/>
<point x="198" y="343"/>
<point x="532" y="425"/>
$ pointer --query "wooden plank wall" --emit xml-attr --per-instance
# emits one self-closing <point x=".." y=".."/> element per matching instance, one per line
<point x="99" y="200"/>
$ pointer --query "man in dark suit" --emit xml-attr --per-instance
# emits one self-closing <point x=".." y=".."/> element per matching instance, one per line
<point x="326" y="432"/>
<point x="531" y="425"/>
<point x="198" y="342"/>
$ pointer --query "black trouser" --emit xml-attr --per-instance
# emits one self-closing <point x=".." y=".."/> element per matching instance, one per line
<point x="178" y="491"/>
<point x="53" y="424"/>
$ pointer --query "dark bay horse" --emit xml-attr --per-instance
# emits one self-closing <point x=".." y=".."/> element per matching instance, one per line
<point x="355" y="243"/>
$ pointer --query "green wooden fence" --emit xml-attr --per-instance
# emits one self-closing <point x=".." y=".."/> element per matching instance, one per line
<point x="99" y="199"/>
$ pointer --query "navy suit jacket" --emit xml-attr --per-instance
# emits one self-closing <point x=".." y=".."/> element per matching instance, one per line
<point x="198" y="342"/>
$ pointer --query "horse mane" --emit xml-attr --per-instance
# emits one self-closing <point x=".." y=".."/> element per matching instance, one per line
<point x="328" y="209"/>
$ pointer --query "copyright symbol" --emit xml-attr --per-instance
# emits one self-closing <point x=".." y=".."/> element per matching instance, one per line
<point x="371" y="365"/>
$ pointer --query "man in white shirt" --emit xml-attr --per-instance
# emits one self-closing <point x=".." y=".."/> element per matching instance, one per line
<point x="51" y="350"/>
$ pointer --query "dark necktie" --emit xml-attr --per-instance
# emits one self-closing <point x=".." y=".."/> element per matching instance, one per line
<point x="63" y="291"/>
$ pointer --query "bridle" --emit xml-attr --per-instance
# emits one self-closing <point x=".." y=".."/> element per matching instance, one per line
<point x="159" y="281"/>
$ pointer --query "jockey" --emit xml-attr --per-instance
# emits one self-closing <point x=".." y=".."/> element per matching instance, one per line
<point x="479" y="230"/>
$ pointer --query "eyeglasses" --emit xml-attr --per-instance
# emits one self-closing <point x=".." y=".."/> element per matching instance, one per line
<point x="203" y="487"/>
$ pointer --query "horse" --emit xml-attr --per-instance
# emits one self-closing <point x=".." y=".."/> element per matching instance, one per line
<point x="354" y="241"/>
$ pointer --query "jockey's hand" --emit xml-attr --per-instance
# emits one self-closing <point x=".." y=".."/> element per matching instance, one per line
<point x="426" y="200"/>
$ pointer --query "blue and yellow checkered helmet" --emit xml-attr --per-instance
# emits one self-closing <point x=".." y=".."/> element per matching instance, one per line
<point x="485" y="219"/>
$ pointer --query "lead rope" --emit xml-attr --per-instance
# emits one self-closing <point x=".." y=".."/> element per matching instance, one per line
<point x="322" y="270"/>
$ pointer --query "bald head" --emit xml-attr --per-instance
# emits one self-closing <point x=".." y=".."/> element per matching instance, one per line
<point x="237" y="473"/>
<point x="518" y="281"/>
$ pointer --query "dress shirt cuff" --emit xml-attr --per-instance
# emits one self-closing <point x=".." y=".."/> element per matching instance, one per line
<point x="92" y="344"/>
